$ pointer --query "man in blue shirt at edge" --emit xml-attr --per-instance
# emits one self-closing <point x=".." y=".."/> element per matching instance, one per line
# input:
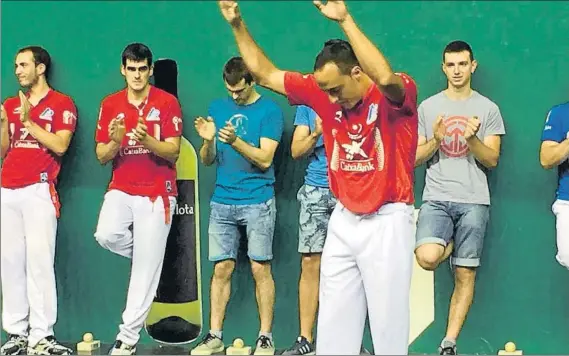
<point x="555" y="153"/>
<point x="316" y="205"/>
<point x="241" y="135"/>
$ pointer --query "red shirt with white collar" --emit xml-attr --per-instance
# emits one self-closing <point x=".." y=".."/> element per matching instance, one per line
<point x="370" y="148"/>
<point x="136" y="170"/>
<point x="28" y="161"/>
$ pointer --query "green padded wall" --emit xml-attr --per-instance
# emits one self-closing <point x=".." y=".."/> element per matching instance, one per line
<point x="523" y="51"/>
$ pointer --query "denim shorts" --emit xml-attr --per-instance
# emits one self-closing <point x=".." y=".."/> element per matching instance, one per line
<point x="439" y="222"/>
<point x="224" y="235"/>
<point x="316" y="207"/>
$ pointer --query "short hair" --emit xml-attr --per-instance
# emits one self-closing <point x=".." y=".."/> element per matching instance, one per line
<point x="137" y="52"/>
<point x="235" y="70"/>
<point x="41" y="56"/>
<point x="339" y="52"/>
<point x="456" y="47"/>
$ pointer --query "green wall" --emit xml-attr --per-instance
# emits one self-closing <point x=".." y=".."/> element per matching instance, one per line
<point x="523" y="51"/>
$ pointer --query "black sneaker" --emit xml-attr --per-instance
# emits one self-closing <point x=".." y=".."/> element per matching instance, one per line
<point x="120" y="348"/>
<point x="300" y="347"/>
<point x="16" y="345"/>
<point x="49" y="346"/>
<point x="447" y="348"/>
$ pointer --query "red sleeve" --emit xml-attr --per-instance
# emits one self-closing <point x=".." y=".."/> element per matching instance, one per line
<point x="102" y="130"/>
<point x="66" y="117"/>
<point x="171" y="123"/>
<point x="410" y="101"/>
<point x="301" y="89"/>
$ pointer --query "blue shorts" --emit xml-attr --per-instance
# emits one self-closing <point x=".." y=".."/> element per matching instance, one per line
<point x="439" y="222"/>
<point x="316" y="207"/>
<point x="224" y="236"/>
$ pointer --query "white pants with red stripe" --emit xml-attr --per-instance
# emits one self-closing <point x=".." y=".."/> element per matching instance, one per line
<point x="28" y="231"/>
<point x="145" y="245"/>
<point x="561" y="211"/>
<point x="366" y="268"/>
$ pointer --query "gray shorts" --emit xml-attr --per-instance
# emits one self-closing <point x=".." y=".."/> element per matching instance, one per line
<point x="316" y="206"/>
<point x="224" y="236"/>
<point x="440" y="222"/>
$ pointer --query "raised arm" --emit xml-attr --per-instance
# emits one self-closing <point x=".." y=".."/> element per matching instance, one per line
<point x="369" y="56"/>
<point x="265" y="72"/>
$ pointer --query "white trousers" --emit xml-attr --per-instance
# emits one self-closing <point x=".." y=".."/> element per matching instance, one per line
<point x="145" y="244"/>
<point x="28" y="234"/>
<point x="561" y="210"/>
<point x="366" y="268"/>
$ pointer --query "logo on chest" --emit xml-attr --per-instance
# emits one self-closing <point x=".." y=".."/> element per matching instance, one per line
<point x="454" y="144"/>
<point x="357" y="148"/>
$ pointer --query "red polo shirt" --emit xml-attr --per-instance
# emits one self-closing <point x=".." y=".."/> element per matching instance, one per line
<point x="28" y="161"/>
<point x="370" y="148"/>
<point x="136" y="170"/>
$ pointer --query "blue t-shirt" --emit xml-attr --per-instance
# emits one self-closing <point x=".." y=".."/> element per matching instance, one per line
<point x="317" y="170"/>
<point x="557" y="129"/>
<point x="239" y="181"/>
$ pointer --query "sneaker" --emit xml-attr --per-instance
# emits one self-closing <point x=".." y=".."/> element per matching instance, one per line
<point x="16" y="345"/>
<point x="49" y="346"/>
<point x="447" y="348"/>
<point x="301" y="347"/>
<point x="120" y="348"/>
<point x="210" y="344"/>
<point x="264" y="346"/>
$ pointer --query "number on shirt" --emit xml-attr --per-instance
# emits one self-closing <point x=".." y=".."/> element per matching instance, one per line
<point x="157" y="132"/>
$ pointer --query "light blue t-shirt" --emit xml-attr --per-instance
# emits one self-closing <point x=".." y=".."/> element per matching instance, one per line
<point x="239" y="181"/>
<point x="317" y="170"/>
<point x="557" y="129"/>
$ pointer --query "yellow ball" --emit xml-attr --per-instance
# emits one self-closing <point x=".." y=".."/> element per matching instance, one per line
<point x="88" y="337"/>
<point x="510" y="347"/>
<point x="238" y="343"/>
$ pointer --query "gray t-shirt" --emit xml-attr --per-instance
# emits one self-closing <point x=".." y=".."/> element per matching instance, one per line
<point x="453" y="174"/>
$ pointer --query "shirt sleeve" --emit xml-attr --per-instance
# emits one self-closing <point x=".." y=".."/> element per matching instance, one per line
<point x="66" y="117"/>
<point x="553" y="130"/>
<point x="301" y="89"/>
<point x="102" y="131"/>
<point x="495" y="124"/>
<point x="422" y="122"/>
<point x="273" y="124"/>
<point x="172" y="124"/>
<point x="301" y="118"/>
<point x="410" y="100"/>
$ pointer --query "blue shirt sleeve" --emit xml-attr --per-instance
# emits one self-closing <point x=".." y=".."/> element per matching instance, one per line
<point x="301" y="117"/>
<point x="273" y="124"/>
<point x="553" y="130"/>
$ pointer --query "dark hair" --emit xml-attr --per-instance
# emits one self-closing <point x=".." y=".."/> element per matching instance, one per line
<point x="137" y="52"/>
<point x="456" y="47"/>
<point x="41" y="56"/>
<point x="339" y="52"/>
<point x="235" y="70"/>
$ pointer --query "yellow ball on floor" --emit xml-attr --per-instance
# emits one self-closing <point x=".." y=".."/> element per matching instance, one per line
<point x="88" y="337"/>
<point x="510" y="347"/>
<point x="238" y="343"/>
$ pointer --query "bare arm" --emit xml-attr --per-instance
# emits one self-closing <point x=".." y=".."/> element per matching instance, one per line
<point x="5" y="140"/>
<point x="426" y="149"/>
<point x="553" y="153"/>
<point x="373" y="62"/>
<point x="303" y="142"/>
<point x="261" y="157"/>
<point x="264" y="71"/>
<point x="57" y="143"/>
<point x="207" y="152"/>
<point x="487" y="152"/>
<point x="107" y="151"/>
<point x="169" y="149"/>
